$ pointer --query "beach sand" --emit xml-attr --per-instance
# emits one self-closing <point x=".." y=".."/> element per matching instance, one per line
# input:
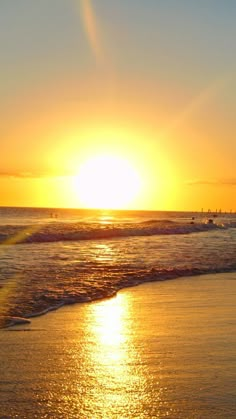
<point x="164" y="349"/>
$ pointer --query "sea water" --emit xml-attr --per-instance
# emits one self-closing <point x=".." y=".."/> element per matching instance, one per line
<point x="52" y="257"/>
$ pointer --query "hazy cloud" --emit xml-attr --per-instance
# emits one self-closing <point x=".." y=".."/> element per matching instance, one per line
<point x="216" y="182"/>
<point x="22" y="175"/>
<point x="32" y="175"/>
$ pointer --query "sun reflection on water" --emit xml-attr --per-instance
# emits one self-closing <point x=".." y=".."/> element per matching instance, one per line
<point x="106" y="219"/>
<point x="118" y="377"/>
<point x="109" y="327"/>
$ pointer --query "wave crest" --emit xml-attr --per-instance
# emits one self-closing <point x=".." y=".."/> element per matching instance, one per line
<point x="54" y="232"/>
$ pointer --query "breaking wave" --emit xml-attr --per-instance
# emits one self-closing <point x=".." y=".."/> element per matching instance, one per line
<point x="61" y="231"/>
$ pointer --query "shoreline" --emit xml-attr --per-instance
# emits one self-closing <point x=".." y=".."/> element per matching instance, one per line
<point x="164" y="276"/>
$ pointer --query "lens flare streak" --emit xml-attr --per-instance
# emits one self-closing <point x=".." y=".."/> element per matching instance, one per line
<point x="91" y="27"/>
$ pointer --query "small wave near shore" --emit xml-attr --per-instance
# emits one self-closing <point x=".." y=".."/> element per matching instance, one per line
<point x="47" y="301"/>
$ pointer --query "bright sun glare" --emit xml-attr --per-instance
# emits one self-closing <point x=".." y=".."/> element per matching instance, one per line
<point x="107" y="181"/>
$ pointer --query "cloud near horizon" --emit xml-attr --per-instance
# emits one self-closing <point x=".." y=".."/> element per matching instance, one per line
<point x="20" y="175"/>
<point x="30" y="175"/>
<point x="214" y="182"/>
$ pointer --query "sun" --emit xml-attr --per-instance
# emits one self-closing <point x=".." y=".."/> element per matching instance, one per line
<point x="108" y="182"/>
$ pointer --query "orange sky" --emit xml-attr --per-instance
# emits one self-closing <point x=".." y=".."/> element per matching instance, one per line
<point x="150" y="84"/>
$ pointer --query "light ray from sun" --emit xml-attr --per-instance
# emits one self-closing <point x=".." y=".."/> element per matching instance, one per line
<point x="8" y="289"/>
<point x="198" y="101"/>
<point x="22" y="235"/>
<point x="89" y="20"/>
<point x="6" y="293"/>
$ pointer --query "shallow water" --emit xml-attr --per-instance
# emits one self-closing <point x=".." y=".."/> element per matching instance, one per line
<point x="155" y="351"/>
<point x="39" y="276"/>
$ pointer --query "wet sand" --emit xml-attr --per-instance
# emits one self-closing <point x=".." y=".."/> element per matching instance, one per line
<point x="164" y="349"/>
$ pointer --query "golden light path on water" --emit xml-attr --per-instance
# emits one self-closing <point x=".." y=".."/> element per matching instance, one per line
<point x="119" y="383"/>
<point x="155" y="351"/>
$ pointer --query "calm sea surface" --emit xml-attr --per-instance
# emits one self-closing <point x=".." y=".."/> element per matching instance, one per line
<point x="50" y="257"/>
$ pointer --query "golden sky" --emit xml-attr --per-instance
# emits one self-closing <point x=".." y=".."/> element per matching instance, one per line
<point x="149" y="84"/>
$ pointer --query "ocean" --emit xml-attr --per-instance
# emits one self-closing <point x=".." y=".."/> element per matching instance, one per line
<point x="53" y="257"/>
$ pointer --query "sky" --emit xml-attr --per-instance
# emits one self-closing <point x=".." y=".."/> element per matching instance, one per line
<point x="149" y="83"/>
